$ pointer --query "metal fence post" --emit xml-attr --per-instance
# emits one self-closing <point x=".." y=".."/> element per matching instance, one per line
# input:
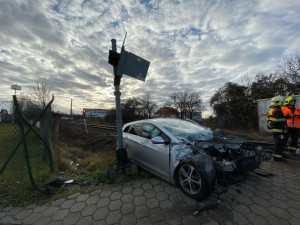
<point x="19" y="113"/>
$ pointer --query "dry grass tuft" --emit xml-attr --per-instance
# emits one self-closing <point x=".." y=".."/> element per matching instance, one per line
<point x="65" y="165"/>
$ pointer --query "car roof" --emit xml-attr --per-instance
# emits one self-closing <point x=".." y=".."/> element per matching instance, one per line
<point x="157" y="122"/>
<point x="154" y="121"/>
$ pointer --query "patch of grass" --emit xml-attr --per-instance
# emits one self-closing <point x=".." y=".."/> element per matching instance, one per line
<point x="15" y="184"/>
<point x="88" y="160"/>
<point x="98" y="176"/>
<point x="9" y="135"/>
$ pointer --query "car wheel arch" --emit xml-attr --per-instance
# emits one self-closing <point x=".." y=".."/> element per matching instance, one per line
<point x="204" y="164"/>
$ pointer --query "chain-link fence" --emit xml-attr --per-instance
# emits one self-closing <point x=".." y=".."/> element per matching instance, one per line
<point x="25" y="147"/>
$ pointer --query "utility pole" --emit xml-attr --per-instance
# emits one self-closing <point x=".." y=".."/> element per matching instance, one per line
<point x="71" y="113"/>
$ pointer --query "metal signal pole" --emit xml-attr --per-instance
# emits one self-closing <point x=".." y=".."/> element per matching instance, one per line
<point x="71" y="111"/>
<point x="134" y="66"/>
<point x="122" y="159"/>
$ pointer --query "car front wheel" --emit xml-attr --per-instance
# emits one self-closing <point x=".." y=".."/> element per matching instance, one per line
<point x="192" y="182"/>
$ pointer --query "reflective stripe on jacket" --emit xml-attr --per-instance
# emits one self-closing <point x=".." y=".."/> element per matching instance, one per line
<point x="292" y="121"/>
<point x="277" y="156"/>
<point x="277" y="121"/>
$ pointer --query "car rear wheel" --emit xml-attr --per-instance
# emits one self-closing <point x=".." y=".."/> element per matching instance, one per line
<point x="192" y="182"/>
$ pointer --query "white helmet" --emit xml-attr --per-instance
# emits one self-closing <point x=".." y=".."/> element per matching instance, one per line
<point x="277" y="101"/>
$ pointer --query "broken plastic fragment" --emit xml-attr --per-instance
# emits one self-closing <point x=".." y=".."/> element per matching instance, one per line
<point x="69" y="181"/>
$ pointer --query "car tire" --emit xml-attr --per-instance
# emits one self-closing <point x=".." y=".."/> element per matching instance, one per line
<point x="191" y="181"/>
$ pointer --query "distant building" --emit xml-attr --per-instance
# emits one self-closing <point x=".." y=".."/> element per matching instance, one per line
<point x="166" y="112"/>
<point x="5" y="117"/>
<point x="100" y="113"/>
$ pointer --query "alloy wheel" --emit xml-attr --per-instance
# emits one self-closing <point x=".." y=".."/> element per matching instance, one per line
<point x="190" y="179"/>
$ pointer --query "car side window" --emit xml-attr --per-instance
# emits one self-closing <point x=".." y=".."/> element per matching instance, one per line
<point x="126" y="130"/>
<point x="150" y="131"/>
<point x="134" y="129"/>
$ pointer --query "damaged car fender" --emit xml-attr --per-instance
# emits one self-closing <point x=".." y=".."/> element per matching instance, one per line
<point x="206" y="165"/>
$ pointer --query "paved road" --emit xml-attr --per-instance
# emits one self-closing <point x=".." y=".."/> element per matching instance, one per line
<point x="258" y="200"/>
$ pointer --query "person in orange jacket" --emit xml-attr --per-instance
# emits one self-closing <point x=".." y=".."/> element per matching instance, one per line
<point x="292" y="114"/>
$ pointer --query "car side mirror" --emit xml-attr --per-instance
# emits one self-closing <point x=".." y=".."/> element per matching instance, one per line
<point x="158" y="140"/>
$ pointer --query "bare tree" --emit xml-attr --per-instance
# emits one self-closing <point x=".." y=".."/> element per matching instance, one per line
<point x="186" y="102"/>
<point x="178" y="101"/>
<point x="246" y="80"/>
<point x="193" y="104"/>
<point x="41" y="90"/>
<point x="289" y="68"/>
<point x="147" y="106"/>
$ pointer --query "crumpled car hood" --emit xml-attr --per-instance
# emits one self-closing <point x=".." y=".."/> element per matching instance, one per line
<point x="227" y="152"/>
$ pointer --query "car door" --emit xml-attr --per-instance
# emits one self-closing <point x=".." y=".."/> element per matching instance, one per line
<point x="132" y="139"/>
<point x="154" y="157"/>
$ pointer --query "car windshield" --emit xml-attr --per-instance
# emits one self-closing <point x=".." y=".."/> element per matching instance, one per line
<point x="182" y="129"/>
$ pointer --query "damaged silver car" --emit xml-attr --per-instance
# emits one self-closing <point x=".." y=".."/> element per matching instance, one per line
<point x="187" y="154"/>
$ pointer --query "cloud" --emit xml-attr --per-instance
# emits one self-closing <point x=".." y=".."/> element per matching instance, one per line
<point x="191" y="44"/>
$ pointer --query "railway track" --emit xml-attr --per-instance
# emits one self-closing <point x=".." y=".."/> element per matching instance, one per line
<point x="93" y="126"/>
<point x="101" y="130"/>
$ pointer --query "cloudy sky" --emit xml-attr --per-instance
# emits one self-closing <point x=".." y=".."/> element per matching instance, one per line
<point x="194" y="44"/>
